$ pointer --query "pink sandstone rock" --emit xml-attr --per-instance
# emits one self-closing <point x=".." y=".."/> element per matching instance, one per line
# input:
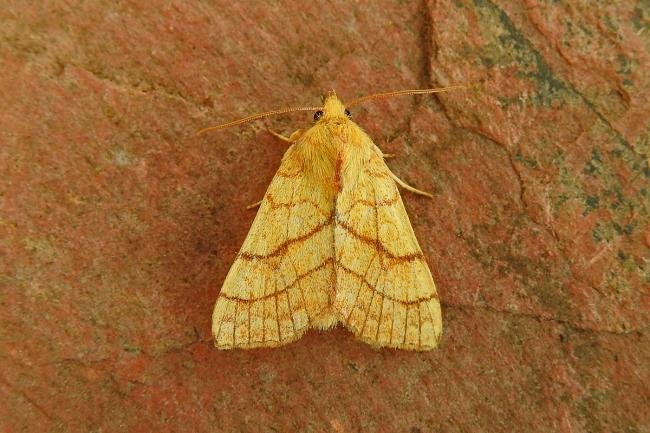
<point x="118" y="224"/>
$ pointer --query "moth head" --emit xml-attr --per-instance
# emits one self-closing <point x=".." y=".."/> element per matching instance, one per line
<point x="333" y="108"/>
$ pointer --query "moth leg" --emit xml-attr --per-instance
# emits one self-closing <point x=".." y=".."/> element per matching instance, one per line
<point x="254" y="205"/>
<point x="381" y="153"/>
<point x="280" y="136"/>
<point x="296" y="135"/>
<point x="293" y="137"/>
<point x="408" y="187"/>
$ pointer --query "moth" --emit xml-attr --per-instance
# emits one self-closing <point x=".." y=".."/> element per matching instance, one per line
<point x="331" y="243"/>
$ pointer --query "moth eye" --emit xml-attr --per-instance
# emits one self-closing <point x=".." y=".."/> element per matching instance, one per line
<point x="318" y="115"/>
<point x="347" y="113"/>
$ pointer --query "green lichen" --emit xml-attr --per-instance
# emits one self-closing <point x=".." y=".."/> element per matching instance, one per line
<point x="528" y="162"/>
<point x="43" y="249"/>
<point x="591" y="203"/>
<point x="122" y="158"/>
<point x="592" y="167"/>
<point x="507" y="47"/>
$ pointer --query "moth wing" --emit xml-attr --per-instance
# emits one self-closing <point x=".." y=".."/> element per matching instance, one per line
<point x="283" y="276"/>
<point x="385" y="293"/>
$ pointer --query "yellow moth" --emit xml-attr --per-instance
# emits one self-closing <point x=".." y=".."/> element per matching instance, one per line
<point x="331" y="243"/>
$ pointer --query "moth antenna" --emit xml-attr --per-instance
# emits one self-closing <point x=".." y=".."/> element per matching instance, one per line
<point x="403" y="92"/>
<point x="255" y="117"/>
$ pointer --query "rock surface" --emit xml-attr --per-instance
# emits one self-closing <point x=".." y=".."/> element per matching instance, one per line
<point x="118" y="224"/>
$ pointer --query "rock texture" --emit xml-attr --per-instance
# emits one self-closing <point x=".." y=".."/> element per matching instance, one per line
<point x="118" y="225"/>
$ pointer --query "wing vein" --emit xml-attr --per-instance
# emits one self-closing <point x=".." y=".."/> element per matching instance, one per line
<point x="282" y="248"/>
<point x="379" y="246"/>
<point x="302" y="293"/>
<point x="392" y="298"/>
<point x="234" y="323"/>
<point x="286" y="293"/>
<point x="277" y="316"/>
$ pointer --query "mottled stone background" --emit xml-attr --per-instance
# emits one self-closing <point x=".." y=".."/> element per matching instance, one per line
<point x="118" y="224"/>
